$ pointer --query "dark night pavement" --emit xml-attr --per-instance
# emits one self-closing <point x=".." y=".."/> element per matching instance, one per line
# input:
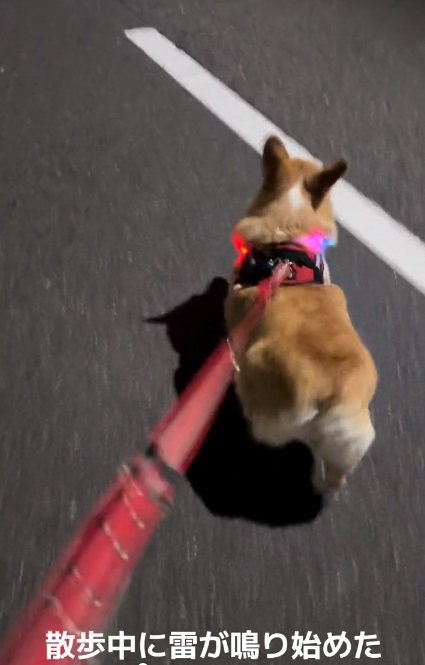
<point x="117" y="195"/>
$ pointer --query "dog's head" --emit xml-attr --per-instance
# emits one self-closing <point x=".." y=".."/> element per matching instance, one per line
<point x="293" y="199"/>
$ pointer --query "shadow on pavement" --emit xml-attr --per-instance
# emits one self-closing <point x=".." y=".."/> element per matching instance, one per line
<point x="233" y="475"/>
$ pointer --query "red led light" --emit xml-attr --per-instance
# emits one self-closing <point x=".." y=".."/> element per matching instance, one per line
<point x="240" y="247"/>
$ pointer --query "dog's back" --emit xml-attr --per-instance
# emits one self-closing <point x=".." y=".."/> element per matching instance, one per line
<point x="304" y="354"/>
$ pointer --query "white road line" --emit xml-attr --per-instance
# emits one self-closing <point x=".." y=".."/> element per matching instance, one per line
<point x="364" y="219"/>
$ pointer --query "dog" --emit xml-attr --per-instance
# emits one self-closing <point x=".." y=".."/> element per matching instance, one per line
<point x="305" y="374"/>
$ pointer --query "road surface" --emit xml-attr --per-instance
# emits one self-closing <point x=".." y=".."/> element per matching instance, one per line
<point x="118" y="193"/>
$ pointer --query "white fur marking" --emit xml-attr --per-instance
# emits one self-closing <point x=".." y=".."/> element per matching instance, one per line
<point x="288" y="426"/>
<point x="295" y="196"/>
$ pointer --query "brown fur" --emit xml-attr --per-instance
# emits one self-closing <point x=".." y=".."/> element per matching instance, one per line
<point x="305" y="372"/>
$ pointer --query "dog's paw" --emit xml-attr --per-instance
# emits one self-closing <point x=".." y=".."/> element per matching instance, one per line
<point x="326" y="487"/>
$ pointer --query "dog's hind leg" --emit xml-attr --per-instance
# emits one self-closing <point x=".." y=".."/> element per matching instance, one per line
<point x="339" y="439"/>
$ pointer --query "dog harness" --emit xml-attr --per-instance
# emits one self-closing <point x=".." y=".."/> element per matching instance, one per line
<point x="254" y="265"/>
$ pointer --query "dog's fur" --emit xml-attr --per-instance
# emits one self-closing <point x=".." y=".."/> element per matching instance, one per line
<point x="305" y="374"/>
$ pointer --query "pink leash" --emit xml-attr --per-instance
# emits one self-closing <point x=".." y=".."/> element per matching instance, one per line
<point x="84" y="587"/>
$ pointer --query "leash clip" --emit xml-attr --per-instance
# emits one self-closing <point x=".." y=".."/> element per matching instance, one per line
<point x="292" y="273"/>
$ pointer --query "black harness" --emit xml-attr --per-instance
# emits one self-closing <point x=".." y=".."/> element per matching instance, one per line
<point x="305" y="267"/>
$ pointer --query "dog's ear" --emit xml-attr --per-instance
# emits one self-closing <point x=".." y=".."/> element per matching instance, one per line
<point x="319" y="184"/>
<point x="275" y="157"/>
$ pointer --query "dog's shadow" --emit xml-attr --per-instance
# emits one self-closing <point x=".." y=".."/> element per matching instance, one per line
<point x="232" y="474"/>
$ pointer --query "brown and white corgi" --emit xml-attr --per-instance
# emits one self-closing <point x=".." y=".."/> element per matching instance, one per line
<point x="305" y="374"/>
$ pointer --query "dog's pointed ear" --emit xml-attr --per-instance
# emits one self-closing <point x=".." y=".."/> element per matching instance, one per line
<point x="275" y="156"/>
<point x="320" y="183"/>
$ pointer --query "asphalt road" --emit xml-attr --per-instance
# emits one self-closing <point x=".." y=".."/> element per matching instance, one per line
<point x="117" y="195"/>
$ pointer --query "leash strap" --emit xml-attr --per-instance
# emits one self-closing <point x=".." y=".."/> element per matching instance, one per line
<point x="83" y="588"/>
<point x="178" y="436"/>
